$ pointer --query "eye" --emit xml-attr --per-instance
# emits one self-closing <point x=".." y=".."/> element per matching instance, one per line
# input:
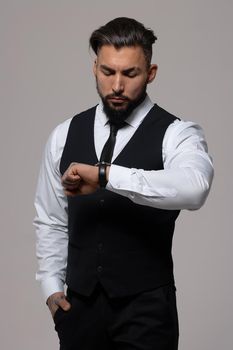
<point x="107" y="72"/>
<point x="131" y="74"/>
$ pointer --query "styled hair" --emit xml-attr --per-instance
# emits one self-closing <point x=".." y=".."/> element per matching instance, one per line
<point x="124" y="31"/>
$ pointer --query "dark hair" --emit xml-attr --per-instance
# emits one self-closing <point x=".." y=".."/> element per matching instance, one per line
<point x="123" y="31"/>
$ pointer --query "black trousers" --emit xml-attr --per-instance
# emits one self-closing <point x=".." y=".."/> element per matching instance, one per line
<point x="145" y="321"/>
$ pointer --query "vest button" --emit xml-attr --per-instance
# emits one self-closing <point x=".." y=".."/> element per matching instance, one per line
<point x="100" y="268"/>
<point x="102" y="202"/>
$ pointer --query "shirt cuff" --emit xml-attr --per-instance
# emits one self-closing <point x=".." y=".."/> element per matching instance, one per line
<point x="119" y="178"/>
<point x="51" y="285"/>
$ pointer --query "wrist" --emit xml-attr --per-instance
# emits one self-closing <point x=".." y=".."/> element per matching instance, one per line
<point x="50" y="286"/>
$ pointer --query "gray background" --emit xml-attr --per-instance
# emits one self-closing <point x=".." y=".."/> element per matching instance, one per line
<point x="46" y="77"/>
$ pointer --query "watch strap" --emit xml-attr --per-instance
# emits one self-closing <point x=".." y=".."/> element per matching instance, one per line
<point x="102" y="174"/>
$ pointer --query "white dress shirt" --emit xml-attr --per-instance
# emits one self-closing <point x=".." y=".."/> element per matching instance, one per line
<point x="184" y="183"/>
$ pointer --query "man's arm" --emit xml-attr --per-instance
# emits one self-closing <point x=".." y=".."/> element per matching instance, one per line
<point x="184" y="183"/>
<point x="51" y="227"/>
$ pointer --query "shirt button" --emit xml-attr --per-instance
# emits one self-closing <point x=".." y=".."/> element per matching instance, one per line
<point x="102" y="202"/>
<point x="100" y="268"/>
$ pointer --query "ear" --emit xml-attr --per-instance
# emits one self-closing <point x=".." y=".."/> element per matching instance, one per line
<point x="95" y="67"/>
<point x="152" y="73"/>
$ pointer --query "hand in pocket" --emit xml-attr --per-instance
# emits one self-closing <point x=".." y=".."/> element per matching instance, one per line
<point x="56" y="301"/>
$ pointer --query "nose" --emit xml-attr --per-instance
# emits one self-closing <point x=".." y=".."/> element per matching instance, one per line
<point x="117" y="86"/>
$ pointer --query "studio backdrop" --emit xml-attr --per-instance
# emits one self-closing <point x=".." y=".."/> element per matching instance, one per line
<point x="46" y="77"/>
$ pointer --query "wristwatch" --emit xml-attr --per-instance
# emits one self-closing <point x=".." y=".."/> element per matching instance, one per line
<point x="102" y="174"/>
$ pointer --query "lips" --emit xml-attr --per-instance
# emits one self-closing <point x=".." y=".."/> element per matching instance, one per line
<point x="117" y="99"/>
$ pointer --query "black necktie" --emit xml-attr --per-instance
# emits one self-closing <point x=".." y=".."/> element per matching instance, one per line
<point x="107" y="152"/>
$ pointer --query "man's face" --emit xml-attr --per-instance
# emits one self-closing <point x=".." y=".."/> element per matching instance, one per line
<point x="121" y="77"/>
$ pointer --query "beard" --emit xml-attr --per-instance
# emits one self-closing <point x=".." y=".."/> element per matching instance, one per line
<point x="118" y="114"/>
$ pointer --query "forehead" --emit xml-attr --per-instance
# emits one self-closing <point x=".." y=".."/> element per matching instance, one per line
<point x="121" y="58"/>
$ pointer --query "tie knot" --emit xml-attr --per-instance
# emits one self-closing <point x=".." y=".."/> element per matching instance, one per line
<point x="115" y="127"/>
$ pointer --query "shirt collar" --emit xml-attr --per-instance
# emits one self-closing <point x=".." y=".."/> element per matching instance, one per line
<point x="135" y="118"/>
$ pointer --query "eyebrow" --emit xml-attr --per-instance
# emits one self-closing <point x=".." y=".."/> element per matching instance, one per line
<point x="125" y="71"/>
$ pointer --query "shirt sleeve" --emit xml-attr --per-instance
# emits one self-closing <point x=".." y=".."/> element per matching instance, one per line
<point x="185" y="181"/>
<point x="51" y="219"/>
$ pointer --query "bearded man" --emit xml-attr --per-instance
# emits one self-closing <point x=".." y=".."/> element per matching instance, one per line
<point x="113" y="180"/>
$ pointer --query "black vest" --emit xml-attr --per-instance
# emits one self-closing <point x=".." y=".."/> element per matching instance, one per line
<point x="124" y="246"/>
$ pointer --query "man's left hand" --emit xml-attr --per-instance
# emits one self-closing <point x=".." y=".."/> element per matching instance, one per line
<point x="80" y="178"/>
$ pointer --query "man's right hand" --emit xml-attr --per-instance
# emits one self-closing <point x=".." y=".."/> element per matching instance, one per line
<point x="57" y="300"/>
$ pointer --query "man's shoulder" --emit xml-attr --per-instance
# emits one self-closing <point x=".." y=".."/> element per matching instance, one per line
<point x="165" y="113"/>
<point x="178" y="119"/>
<point x="90" y="112"/>
<point x="59" y="133"/>
<point x="178" y="124"/>
<point x="63" y="127"/>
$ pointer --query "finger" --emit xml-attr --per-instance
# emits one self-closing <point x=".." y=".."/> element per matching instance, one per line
<point x="62" y="303"/>
<point x="67" y="178"/>
<point x="72" y="165"/>
<point x="71" y="187"/>
<point x="73" y="169"/>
